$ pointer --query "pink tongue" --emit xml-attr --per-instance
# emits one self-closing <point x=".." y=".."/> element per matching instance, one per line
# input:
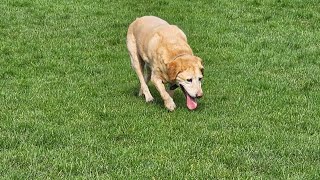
<point x="191" y="102"/>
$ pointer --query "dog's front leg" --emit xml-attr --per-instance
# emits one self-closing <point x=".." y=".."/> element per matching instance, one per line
<point x="168" y="101"/>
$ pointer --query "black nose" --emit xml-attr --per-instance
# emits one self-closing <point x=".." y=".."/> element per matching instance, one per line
<point x="199" y="96"/>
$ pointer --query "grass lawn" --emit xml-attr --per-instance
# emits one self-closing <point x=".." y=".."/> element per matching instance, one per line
<point x="69" y="106"/>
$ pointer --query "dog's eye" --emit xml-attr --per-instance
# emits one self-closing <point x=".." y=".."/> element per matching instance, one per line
<point x="189" y="80"/>
<point x="200" y="79"/>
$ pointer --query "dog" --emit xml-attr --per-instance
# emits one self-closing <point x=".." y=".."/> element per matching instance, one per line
<point x="159" y="52"/>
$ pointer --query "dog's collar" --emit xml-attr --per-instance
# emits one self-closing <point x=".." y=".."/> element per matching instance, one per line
<point x="180" y="55"/>
<point x="173" y="86"/>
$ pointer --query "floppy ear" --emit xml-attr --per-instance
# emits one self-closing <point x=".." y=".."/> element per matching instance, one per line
<point x="202" y="70"/>
<point x="173" y="69"/>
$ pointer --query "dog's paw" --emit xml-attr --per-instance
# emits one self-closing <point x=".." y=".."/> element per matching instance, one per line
<point x="140" y="92"/>
<point x="149" y="98"/>
<point x="170" y="105"/>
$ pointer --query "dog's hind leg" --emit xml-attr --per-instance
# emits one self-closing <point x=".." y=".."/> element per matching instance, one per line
<point x="147" y="73"/>
<point x="138" y="65"/>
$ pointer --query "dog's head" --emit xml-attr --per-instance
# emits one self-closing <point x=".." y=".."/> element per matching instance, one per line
<point x="187" y="72"/>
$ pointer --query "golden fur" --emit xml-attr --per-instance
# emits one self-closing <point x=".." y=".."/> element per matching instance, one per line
<point x="160" y="52"/>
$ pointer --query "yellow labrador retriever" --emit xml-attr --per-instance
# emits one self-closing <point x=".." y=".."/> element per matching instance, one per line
<point x="160" y="52"/>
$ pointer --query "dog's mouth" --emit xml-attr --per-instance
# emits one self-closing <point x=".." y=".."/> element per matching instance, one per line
<point x="191" y="101"/>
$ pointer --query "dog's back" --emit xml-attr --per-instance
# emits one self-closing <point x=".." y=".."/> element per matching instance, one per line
<point x="152" y="33"/>
<point x="143" y="26"/>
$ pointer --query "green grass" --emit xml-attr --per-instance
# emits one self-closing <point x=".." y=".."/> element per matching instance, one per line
<point x="69" y="105"/>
